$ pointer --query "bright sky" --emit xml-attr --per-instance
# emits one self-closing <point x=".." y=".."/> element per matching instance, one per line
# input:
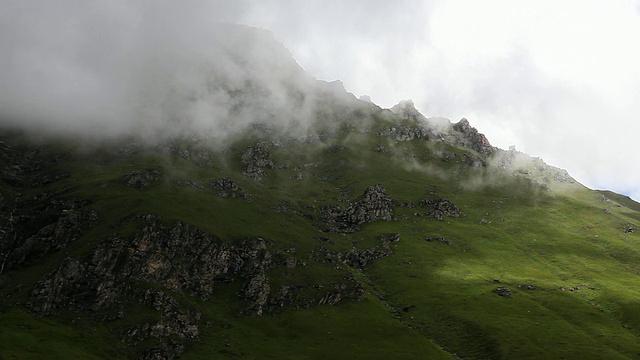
<point x="558" y="79"/>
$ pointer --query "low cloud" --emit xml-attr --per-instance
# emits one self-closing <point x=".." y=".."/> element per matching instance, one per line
<point x="108" y="69"/>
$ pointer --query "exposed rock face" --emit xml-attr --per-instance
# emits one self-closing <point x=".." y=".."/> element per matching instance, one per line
<point x="361" y="258"/>
<point x="255" y="159"/>
<point x="178" y="257"/>
<point x="176" y="324"/>
<point x="142" y="179"/>
<point x="256" y="293"/>
<point x="407" y="110"/>
<point x="69" y="285"/>
<point x="441" y="208"/>
<point x="405" y="133"/>
<point x="374" y="204"/>
<point x="65" y="222"/>
<point x="471" y="138"/>
<point x="229" y="188"/>
<point x="25" y="167"/>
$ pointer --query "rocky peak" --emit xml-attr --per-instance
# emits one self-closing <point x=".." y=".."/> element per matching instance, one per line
<point x="407" y="109"/>
<point x="472" y="138"/>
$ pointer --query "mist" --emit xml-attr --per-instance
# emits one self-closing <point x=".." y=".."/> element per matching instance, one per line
<point x="150" y="68"/>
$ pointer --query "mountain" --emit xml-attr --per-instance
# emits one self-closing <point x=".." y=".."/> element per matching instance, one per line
<point x="301" y="222"/>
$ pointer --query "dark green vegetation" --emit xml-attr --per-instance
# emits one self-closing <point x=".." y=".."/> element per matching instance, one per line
<point x="166" y="227"/>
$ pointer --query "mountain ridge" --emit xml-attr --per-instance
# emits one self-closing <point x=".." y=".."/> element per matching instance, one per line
<point x="340" y="230"/>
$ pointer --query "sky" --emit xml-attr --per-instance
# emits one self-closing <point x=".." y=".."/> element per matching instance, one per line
<point x="557" y="79"/>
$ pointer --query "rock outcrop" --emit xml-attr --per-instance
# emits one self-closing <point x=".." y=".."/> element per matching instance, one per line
<point x="471" y="138"/>
<point x="229" y="188"/>
<point x="57" y="225"/>
<point x="255" y="159"/>
<point x="405" y="133"/>
<point x="502" y="291"/>
<point x="441" y="208"/>
<point x="407" y="110"/>
<point x="374" y="204"/>
<point x="142" y="179"/>
<point x="176" y="257"/>
<point x="361" y="258"/>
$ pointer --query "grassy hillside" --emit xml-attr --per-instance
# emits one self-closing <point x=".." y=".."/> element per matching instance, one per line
<point x="566" y="256"/>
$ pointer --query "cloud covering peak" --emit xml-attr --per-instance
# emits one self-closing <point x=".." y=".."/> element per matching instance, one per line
<point x="113" y="70"/>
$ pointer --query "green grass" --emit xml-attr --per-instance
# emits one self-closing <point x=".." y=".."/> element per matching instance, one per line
<point x="426" y="300"/>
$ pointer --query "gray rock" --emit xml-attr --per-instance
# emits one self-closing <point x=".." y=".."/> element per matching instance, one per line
<point x="255" y="159"/>
<point x="441" y="208"/>
<point x="374" y="204"/>
<point x="472" y="138"/>
<point x="502" y="291"/>
<point x="142" y="179"/>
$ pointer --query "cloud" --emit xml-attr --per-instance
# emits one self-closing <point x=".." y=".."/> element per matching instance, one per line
<point x="111" y="68"/>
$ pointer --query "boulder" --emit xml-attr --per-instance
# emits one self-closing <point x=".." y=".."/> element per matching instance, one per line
<point x="502" y="291"/>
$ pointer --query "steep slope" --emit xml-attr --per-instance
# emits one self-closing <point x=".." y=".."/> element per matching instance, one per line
<point x="353" y="232"/>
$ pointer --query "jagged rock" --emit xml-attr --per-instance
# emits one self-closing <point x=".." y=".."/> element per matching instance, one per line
<point x="67" y="221"/>
<point x="471" y="138"/>
<point x="175" y="325"/>
<point x="502" y="291"/>
<point x="142" y="179"/>
<point x="255" y="159"/>
<point x="256" y="293"/>
<point x="229" y="188"/>
<point x="68" y="286"/>
<point x="24" y="167"/>
<point x="175" y="257"/>
<point x="407" y="110"/>
<point x="405" y="133"/>
<point x="374" y="204"/>
<point x="361" y="258"/>
<point x="441" y="208"/>
<point x="179" y="257"/>
<point x="225" y="184"/>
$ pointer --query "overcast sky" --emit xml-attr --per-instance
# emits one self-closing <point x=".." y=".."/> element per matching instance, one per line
<point x="558" y="79"/>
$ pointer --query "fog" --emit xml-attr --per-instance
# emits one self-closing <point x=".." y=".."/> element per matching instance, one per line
<point x="152" y="68"/>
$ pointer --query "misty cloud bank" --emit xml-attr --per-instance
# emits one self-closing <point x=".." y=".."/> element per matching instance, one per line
<point x="103" y="70"/>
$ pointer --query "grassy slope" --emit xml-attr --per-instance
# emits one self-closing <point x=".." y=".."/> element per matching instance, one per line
<point x="426" y="293"/>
